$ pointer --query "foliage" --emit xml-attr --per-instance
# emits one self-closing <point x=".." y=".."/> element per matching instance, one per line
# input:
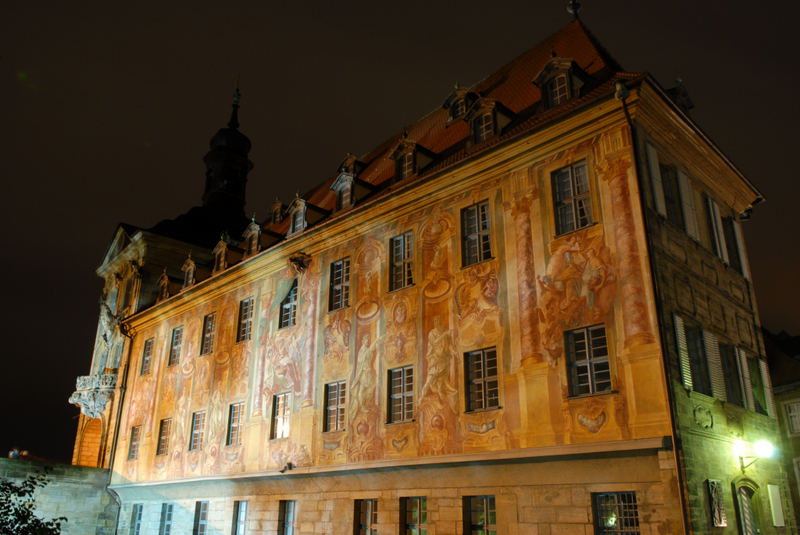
<point x="18" y="507"/>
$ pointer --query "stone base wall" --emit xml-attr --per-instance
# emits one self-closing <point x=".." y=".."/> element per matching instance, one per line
<point x="76" y="492"/>
<point x="532" y="498"/>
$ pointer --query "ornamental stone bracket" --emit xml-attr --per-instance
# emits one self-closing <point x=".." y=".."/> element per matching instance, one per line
<point x="93" y="392"/>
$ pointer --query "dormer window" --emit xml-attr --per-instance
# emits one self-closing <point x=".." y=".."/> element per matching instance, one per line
<point x="406" y="165"/>
<point x="343" y="187"/>
<point x="277" y="209"/>
<point x="188" y="269"/>
<point x="483" y="126"/>
<point x="297" y="220"/>
<point x="558" y="90"/>
<point x="457" y="108"/>
<point x="252" y="238"/>
<point x="163" y="286"/>
<point x="559" y="81"/>
<point x="297" y="211"/>
<point x="220" y="256"/>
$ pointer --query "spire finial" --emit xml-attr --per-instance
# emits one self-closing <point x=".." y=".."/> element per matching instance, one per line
<point x="237" y="96"/>
<point x="573" y="7"/>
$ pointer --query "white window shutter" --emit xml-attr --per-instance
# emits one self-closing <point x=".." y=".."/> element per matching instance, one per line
<point x="744" y="370"/>
<point x="737" y="230"/>
<point x="687" y="200"/>
<point x="655" y="180"/>
<point x="715" y="366"/>
<point x="717" y="230"/>
<point x="683" y="352"/>
<point x="767" y="382"/>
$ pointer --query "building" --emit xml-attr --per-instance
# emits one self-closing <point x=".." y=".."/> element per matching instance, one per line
<point x="529" y="312"/>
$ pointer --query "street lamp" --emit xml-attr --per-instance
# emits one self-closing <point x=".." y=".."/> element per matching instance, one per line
<point x="761" y="449"/>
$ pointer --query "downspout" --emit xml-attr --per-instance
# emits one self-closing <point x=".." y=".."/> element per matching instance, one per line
<point x="621" y="93"/>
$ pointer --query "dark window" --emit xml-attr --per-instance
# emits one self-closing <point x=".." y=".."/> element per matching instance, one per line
<point x="281" y="410"/>
<point x="732" y="244"/>
<point x="413" y="516"/>
<point x="366" y="517"/>
<point x="480" y="517"/>
<point x="573" y="205"/>
<point x="587" y="358"/>
<point x="483" y="127"/>
<point x="164" y="428"/>
<point x="147" y="355"/>
<point x="344" y="197"/>
<point x="730" y="368"/>
<point x="757" y="386"/>
<point x="245" y="319"/>
<point x="198" y="430"/>
<point x="476" y="245"/>
<point x="235" y="424"/>
<point x="239" y="517"/>
<point x="615" y="513"/>
<point x="481" y="375"/>
<point x="672" y="195"/>
<point x="200" y="518"/>
<point x="406" y="165"/>
<point x="701" y="379"/>
<point x="175" y="346"/>
<point x="558" y="90"/>
<point x="457" y="108"/>
<point x="133" y="447"/>
<point x="289" y="308"/>
<point x="207" y="343"/>
<point x="136" y="519"/>
<point x="297" y="220"/>
<point x="401" y="394"/>
<point x="165" y="524"/>
<point x="340" y="284"/>
<point x="287" y="517"/>
<point x="402" y="265"/>
<point x="334" y="406"/>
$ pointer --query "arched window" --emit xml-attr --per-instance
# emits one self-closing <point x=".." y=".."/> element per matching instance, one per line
<point x="744" y="500"/>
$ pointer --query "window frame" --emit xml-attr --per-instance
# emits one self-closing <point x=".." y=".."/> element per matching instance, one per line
<point x="402" y="400"/>
<point x="136" y="518"/>
<point x="175" y="346"/>
<point x="288" y="309"/>
<point x="401" y="261"/>
<point x="200" y="526"/>
<point x="365" y="516"/>
<point x="481" y="385"/>
<point x="483" y="126"/>
<point x="164" y="429"/>
<point x="287" y="517"/>
<point x="198" y="430"/>
<point x="792" y="417"/>
<point x="619" y="513"/>
<point x="239" y="526"/>
<point x="487" y="511"/>
<point x="335" y="410"/>
<point x="135" y="442"/>
<point x="207" y="336"/>
<point x="476" y="243"/>
<point x="244" y="329"/>
<point x="147" y="356"/>
<point x="339" y="284"/>
<point x="592" y="364"/>
<point x="235" y="424"/>
<point x="281" y="416"/>
<point x="558" y="93"/>
<point x="419" y="513"/>
<point x="406" y="164"/>
<point x="165" y="522"/>
<point x="573" y="200"/>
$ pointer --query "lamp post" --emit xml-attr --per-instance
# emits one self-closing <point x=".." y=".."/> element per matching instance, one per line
<point x="761" y="449"/>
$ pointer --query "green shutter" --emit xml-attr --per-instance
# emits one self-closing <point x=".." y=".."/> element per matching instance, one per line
<point x="715" y="366"/>
<point x="683" y="352"/>
<point x="687" y="200"/>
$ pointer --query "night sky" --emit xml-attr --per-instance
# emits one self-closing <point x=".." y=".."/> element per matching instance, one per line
<point x="107" y="110"/>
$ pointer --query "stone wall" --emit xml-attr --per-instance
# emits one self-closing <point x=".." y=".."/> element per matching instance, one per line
<point x="76" y="492"/>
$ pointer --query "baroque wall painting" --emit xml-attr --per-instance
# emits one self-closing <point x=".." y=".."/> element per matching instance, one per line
<point x="401" y="331"/>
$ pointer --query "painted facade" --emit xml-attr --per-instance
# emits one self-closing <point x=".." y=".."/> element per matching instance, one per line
<point x="289" y="397"/>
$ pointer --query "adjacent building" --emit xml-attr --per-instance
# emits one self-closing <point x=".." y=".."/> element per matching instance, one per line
<point x="528" y="312"/>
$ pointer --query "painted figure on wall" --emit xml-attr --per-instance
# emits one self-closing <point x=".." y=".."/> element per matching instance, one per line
<point x="476" y="306"/>
<point x="365" y="442"/>
<point x="439" y="397"/>
<point x="401" y="339"/>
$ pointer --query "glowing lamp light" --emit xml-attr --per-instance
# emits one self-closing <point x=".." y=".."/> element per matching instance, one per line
<point x="739" y="448"/>
<point x="762" y="449"/>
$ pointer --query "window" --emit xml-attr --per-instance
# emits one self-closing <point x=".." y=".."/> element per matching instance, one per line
<point x="245" y="319"/>
<point x="340" y="284"/>
<point x="615" y="513"/>
<point x="163" y="436"/>
<point x="200" y="518"/>
<point x="405" y="165"/>
<point x="476" y="244"/>
<point x="287" y="517"/>
<point x="133" y="447"/>
<point x="480" y="517"/>
<point x="414" y="516"/>
<point x="147" y="355"/>
<point x="757" y="386"/>
<point x="401" y="394"/>
<point x="457" y="109"/>
<point x="280" y="415"/>
<point x="747" y="521"/>
<point x="717" y="230"/>
<point x="587" y="358"/>
<point x="175" y="346"/>
<point x="732" y="243"/>
<point x="289" y="308"/>
<point x="401" y="267"/>
<point x="198" y="431"/>
<point x="235" y="424"/>
<point x="558" y="90"/>
<point x="483" y="127"/>
<point x="481" y="375"/>
<point x="298" y="220"/>
<point x="334" y="406"/>
<point x="165" y="524"/>
<point x="188" y="269"/>
<point x="239" y="518"/>
<point x="692" y="355"/>
<point x="220" y="256"/>
<point x="573" y="205"/>
<point x="207" y="343"/>
<point x="730" y="370"/>
<point x="793" y="416"/>
<point x="366" y="517"/>
<point x="136" y="519"/>
<point x="672" y="195"/>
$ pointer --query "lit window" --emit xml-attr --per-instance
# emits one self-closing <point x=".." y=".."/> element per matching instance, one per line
<point x="147" y="355"/>
<point x="136" y="519"/>
<point x="200" y="518"/>
<point x="175" y="346"/>
<point x="334" y="406"/>
<point x="573" y="206"/>
<point x="163" y="436"/>
<point x="133" y="447"/>
<point x="340" y="284"/>
<point x="198" y="430"/>
<point x="793" y="416"/>
<point x="289" y="308"/>
<point x="207" y="343"/>
<point x="587" y="357"/>
<point x="406" y="165"/>
<point x="165" y="524"/>
<point x="414" y="516"/>
<point x="366" y="517"/>
<point x="483" y="127"/>
<point x="245" y="319"/>
<point x="401" y="267"/>
<point x="476" y="245"/>
<point x="615" y="513"/>
<point x="401" y="394"/>
<point x="558" y="90"/>
<point x="482" y="384"/>
<point x="239" y="517"/>
<point x="480" y="517"/>
<point x="235" y="424"/>
<point x="287" y="517"/>
<point x="281" y="411"/>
